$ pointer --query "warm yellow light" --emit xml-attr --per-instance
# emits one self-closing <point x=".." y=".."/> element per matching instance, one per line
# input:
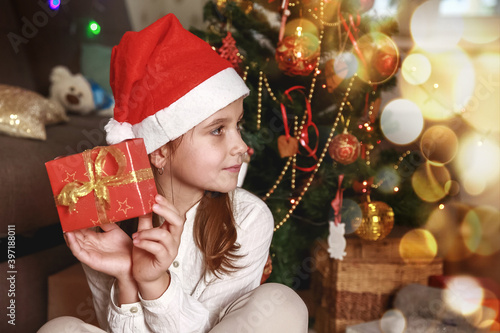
<point x="477" y="165"/>
<point x="481" y="230"/>
<point x="418" y="246"/>
<point x="463" y="295"/>
<point x="439" y="145"/>
<point x="480" y="103"/>
<point x="449" y="87"/>
<point x="481" y="30"/>
<point x="416" y="69"/>
<point x="433" y="32"/>
<point x="429" y="182"/>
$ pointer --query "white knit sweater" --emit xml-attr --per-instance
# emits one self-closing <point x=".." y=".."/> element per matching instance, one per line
<point x="192" y="302"/>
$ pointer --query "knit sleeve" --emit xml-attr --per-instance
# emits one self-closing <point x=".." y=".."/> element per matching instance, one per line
<point x="100" y="286"/>
<point x="177" y="311"/>
<point x="180" y="311"/>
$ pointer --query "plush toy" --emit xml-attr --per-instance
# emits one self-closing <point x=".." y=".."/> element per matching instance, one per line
<point x="78" y="94"/>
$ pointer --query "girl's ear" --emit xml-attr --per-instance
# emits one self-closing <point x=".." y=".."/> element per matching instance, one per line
<point x="159" y="157"/>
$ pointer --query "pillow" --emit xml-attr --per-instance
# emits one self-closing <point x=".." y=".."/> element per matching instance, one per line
<point x="24" y="113"/>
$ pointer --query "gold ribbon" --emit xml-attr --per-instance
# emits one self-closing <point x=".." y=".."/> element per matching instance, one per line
<point x="99" y="182"/>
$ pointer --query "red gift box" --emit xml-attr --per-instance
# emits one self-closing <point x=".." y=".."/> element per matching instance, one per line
<point x="102" y="185"/>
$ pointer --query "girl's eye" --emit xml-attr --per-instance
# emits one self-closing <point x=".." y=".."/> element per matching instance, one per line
<point x="240" y="125"/>
<point x="218" y="130"/>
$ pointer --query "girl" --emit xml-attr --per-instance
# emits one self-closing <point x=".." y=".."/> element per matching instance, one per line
<point x="200" y="269"/>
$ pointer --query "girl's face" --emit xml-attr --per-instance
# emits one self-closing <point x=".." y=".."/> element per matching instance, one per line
<point x="209" y="156"/>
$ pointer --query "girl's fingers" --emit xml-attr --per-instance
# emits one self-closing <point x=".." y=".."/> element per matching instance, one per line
<point x="145" y="222"/>
<point x="74" y="245"/>
<point x="155" y="248"/>
<point x="173" y="222"/>
<point x="109" y="226"/>
<point x="159" y="235"/>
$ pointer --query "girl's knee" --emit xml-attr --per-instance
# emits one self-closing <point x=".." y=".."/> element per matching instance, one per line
<point x="284" y="300"/>
<point x="67" y="324"/>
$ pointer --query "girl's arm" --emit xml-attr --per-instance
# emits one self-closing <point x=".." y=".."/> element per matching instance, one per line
<point x="179" y="310"/>
<point x="198" y="310"/>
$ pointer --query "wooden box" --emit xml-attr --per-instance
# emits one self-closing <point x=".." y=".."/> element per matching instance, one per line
<point x="361" y="287"/>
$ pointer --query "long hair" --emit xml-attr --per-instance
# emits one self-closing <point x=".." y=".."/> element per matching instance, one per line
<point x="214" y="228"/>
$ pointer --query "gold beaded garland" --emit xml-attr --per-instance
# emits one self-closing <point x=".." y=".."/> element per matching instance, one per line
<point x="259" y="100"/>
<point x="318" y="164"/>
<point x="401" y="158"/>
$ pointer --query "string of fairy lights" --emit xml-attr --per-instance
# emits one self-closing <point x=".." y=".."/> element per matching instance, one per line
<point x="263" y="84"/>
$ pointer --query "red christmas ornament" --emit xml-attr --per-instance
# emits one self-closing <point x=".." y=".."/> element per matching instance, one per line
<point x="229" y="51"/>
<point x="298" y="55"/>
<point x="386" y="63"/>
<point x="344" y="148"/>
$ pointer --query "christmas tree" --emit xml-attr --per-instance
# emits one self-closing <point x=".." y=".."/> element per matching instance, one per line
<point x="319" y="153"/>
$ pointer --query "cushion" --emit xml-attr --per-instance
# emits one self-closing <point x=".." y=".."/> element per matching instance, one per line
<point x="24" y="113"/>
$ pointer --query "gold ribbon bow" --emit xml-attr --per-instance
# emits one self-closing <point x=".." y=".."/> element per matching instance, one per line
<point x="99" y="182"/>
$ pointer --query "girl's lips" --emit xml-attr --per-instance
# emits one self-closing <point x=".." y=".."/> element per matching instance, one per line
<point x="234" y="168"/>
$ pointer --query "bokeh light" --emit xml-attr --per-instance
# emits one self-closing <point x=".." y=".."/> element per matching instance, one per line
<point x="393" y="321"/>
<point x="378" y="57"/>
<point x="485" y="32"/>
<point x="94" y="27"/>
<point x="452" y="187"/>
<point x="444" y="224"/>
<point x="481" y="225"/>
<point x="418" y="246"/>
<point x="401" y="121"/>
<point x="300" y="26"/>
<point x="429" y="182"/>
<point x="345" y="65"/>
<point x="480" y="108"/>
<point x="463" y="294"/>
<point x="387" y="179"/>
<point x="54" y="4"/>
<point x="439" y="145"/>
<point x="416" y="69"/>
<point x="448" y="88"/>
<point x="470" y="229"/>
<point x="352" y="216"/>
<point x="478" y="163"/>
<point x="433" y="32"/>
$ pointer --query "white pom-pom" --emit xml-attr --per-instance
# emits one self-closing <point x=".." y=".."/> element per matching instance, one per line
<point x="117" y="132"/>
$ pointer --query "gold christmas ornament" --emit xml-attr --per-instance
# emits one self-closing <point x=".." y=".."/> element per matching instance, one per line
<point x="245" y="5"/>
<point x="378" y="220"/>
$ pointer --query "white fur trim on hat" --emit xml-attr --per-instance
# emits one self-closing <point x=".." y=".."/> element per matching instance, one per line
<point x="198" y="104"/>
<point x="117" y="132"/>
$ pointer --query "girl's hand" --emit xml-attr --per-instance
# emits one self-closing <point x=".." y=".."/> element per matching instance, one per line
<point x="109" y="252"/>
<point x="156" y="248"/>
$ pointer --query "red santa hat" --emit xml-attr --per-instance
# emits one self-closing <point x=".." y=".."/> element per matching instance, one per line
<point x="165" y="81"/>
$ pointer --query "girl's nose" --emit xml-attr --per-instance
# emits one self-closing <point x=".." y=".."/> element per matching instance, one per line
<point x="239" y="146"/>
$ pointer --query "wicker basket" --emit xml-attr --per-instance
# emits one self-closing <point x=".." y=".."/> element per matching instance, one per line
<point x="361" y="287"/>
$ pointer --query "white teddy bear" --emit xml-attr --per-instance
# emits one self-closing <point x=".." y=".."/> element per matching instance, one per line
<point x="77" y="94"/>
